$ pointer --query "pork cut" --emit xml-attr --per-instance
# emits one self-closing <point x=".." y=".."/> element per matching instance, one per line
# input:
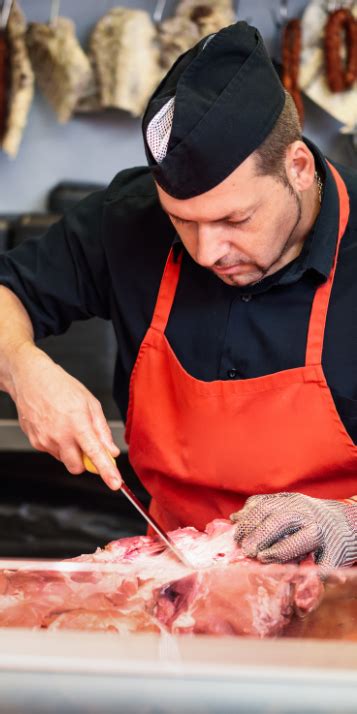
<point x="136" y="585"/>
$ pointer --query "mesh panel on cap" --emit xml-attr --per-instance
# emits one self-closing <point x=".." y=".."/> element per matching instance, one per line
<point x="159" y="130"/>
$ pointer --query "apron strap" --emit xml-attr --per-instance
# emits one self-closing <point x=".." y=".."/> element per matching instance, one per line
<point x="167" y="290"/>
<point x="316" y="331"/>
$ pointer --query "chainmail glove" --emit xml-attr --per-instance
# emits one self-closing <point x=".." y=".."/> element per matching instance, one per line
<point x="287" y="526"/>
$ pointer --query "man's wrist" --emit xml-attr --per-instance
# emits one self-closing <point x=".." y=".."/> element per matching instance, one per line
<point x="16" y="355"/>
<point x="351" y="516"/>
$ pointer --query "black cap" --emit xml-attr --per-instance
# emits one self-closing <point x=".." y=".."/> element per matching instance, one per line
<point x="228" y="97"/>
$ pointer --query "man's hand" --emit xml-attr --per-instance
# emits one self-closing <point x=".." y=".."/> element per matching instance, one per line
<point x="60" y="416"/>
<point x="285" y="526"/>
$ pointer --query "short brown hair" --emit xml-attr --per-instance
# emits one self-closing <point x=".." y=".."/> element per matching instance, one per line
<point x="270" y="155"/>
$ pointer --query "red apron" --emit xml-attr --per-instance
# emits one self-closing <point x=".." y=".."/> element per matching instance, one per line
<point x="201" y="448"/>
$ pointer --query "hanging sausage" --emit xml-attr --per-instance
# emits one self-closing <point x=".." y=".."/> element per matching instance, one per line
<point x="291" y="50"/>
<point x="341" y="105"/>
<point x="4" y="78"/>
<point x="341" y="50"/>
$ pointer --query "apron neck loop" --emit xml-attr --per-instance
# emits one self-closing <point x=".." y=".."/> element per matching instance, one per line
<point x="167" y="291"/>
<point x="315" y="338"/>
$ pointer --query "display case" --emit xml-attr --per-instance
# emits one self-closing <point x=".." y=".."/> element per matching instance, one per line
<point x="87" y="665"/>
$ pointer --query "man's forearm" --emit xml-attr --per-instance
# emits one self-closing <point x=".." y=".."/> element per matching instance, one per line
<point x="57" y="413"/>
<point x="16" y="332"/>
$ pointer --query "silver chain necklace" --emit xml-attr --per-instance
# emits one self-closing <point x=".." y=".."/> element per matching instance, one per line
<point x="320" y="185"/>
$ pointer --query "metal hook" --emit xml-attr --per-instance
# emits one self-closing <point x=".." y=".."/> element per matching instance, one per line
<point x="55" y="10"/>
<point x="159" y="10"/>
<point x="333" y="5"/>
<point x="282" y="15"/>
<point x="236" y="11"/>
<point x="5" y="13"/>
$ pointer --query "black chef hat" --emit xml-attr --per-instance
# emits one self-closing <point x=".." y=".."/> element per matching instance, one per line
<point x="225" y="98"/>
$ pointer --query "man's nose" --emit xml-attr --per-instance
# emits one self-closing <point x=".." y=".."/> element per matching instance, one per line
<point x="209" y="247"/>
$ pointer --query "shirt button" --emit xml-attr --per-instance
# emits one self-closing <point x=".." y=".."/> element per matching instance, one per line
<point x="246" y="297"/>
<point x="232" y="373"/>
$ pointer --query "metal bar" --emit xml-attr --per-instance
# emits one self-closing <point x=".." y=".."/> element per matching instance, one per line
<point x="282" y="14"/>
<point x="5" y="13"/>
<point x="12" y="438"/>
<point x="55" y="9"/>
<point x="159" y="10"/>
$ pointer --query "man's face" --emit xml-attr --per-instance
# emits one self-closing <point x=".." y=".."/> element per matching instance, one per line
<point x="240" y="229"/>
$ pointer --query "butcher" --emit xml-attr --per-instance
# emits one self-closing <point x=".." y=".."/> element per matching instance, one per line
<point x="228" y="268"/>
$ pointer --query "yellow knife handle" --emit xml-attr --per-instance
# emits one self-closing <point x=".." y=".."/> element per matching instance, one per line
<point x="88" y="463"/>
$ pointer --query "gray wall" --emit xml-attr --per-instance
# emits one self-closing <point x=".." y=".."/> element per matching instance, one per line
<point x="94" y="148"/>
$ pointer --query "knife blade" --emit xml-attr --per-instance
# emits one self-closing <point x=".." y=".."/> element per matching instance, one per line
<point x="153" y="523"/>
<point x="126" y="491"/>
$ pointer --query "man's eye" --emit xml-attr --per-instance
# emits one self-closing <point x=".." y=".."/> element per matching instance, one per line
<point x="236" y="224"/>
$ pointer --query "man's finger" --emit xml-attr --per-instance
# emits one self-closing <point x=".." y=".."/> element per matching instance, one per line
<point x="72" y="459"/>
<point x="277" y="525"/>
<point x="102" y="429"/>
<point x="104" y="464"/>
<point x="254" y="513"/>
<point x="305" y="541"/>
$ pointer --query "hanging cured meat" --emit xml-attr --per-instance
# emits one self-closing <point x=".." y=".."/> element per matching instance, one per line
<point x="176" y="35"/>
<point x="209" y="15"/>
<point x="62" y="68"/>
<point x="4" y="72"/>
<point x="123" y="49"/>
<point x="17" y="82"/>
<point x="193" y="20"/>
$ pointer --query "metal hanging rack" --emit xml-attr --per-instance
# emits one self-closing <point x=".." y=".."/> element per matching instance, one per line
<point x="54" y="11"/>
<point x="333" y="5"/>
<point x="280" y="18"/>
<point x="159" y="10"/>
<point x="236" y="9"/>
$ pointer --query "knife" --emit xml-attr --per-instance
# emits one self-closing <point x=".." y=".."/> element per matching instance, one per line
<point x="89" y="466"/>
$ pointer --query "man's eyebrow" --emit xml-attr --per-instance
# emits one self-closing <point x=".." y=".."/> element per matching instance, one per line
<point x="228" y="217"/>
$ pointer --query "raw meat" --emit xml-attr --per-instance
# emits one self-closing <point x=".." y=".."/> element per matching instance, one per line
<point x="136" y="585"/>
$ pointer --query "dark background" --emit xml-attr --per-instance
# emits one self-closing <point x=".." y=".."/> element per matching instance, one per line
<point x="46" y="512"/>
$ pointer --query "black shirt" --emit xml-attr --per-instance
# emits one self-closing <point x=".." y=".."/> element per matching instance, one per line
<point x="106" y="257"/>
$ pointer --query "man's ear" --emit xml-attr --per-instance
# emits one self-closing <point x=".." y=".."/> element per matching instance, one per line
<point x="300" y="166"/>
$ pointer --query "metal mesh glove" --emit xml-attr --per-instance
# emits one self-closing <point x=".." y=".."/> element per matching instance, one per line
<point x="285" y="526"/>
